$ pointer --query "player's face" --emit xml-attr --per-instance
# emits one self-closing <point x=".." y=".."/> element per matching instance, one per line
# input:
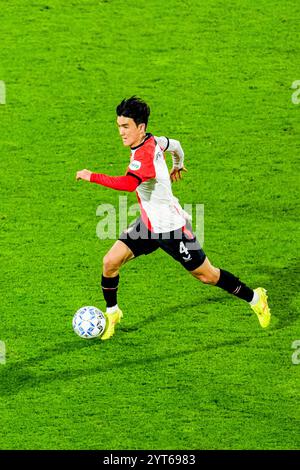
<point x="131" y="134"/>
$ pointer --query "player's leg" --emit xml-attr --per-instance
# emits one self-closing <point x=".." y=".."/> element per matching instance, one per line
<point x="118" y="255"/>
<point x="257" y="298"/>
<point x="132" y="243"/>
<point x="206" y="273"/>
<point x="185" y="248"/>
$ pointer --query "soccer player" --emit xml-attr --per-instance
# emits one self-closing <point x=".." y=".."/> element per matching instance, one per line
<point x="163" y="223"/>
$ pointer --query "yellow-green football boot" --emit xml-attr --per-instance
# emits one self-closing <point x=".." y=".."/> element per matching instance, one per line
<point x="112" y="319"/>
<point x="262" y="309"/>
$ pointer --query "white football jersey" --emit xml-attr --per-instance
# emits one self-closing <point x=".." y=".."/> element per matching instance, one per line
<point x="160" y="210"/>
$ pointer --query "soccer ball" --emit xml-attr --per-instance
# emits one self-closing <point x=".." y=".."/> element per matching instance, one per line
<point x="89" y="322"/>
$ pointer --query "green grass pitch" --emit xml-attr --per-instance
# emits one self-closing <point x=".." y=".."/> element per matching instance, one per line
<point x="189" y="367"/>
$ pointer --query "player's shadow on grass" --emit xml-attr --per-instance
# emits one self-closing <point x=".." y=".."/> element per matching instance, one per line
<point x="158" y="316"/>
<point x="21" y="375"/>
<point x="207" y="299"/>
<point x="284" y="283"/>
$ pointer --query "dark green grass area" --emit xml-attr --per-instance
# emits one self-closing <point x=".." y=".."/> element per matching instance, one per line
<point x="189" y="367"/>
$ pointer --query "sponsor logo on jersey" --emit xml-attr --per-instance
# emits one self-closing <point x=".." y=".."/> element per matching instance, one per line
<point x="135" y="165"/>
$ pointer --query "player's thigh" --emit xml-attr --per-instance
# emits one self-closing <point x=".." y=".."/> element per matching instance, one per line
<point x="184" y="248"/>
<point x="139" y="239"/>
<point x="118" y="255"/>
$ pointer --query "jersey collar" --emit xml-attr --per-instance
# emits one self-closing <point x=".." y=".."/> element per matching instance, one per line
<point x="148" y="135"/>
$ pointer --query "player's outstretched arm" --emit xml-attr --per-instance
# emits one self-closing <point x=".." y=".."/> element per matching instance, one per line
<point x="121" y="183"/>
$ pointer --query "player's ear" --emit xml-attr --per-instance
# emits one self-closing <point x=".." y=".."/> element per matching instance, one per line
<point x="142" y="127"/>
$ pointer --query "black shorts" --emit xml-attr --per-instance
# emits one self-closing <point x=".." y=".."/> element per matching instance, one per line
<point x="181" y="244"/>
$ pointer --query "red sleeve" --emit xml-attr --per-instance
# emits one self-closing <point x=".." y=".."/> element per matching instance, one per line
<point x="121" y="183"/>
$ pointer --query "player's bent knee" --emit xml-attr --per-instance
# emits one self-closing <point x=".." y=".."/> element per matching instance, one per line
<point x="110" y="264"/>
<point x="115" y="258"/>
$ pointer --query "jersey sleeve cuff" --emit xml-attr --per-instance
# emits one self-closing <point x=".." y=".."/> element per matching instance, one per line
<point x="135" y="176"/>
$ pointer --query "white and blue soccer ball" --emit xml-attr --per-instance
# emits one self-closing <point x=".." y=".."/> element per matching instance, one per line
<point x="89" y="322"/>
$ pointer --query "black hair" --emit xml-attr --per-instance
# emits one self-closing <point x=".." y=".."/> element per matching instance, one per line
<point x="134" y="108"/>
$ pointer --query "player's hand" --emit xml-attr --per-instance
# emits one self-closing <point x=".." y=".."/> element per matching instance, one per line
<point x="176" y="174"/>
<point x="83" y="175"/>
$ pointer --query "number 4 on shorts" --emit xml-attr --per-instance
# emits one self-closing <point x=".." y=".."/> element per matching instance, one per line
<point x="183" y="248"/>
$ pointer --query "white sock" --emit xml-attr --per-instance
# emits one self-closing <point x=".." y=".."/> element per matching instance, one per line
<point x="255" y="299"/>
<point x="112" y="309"/>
